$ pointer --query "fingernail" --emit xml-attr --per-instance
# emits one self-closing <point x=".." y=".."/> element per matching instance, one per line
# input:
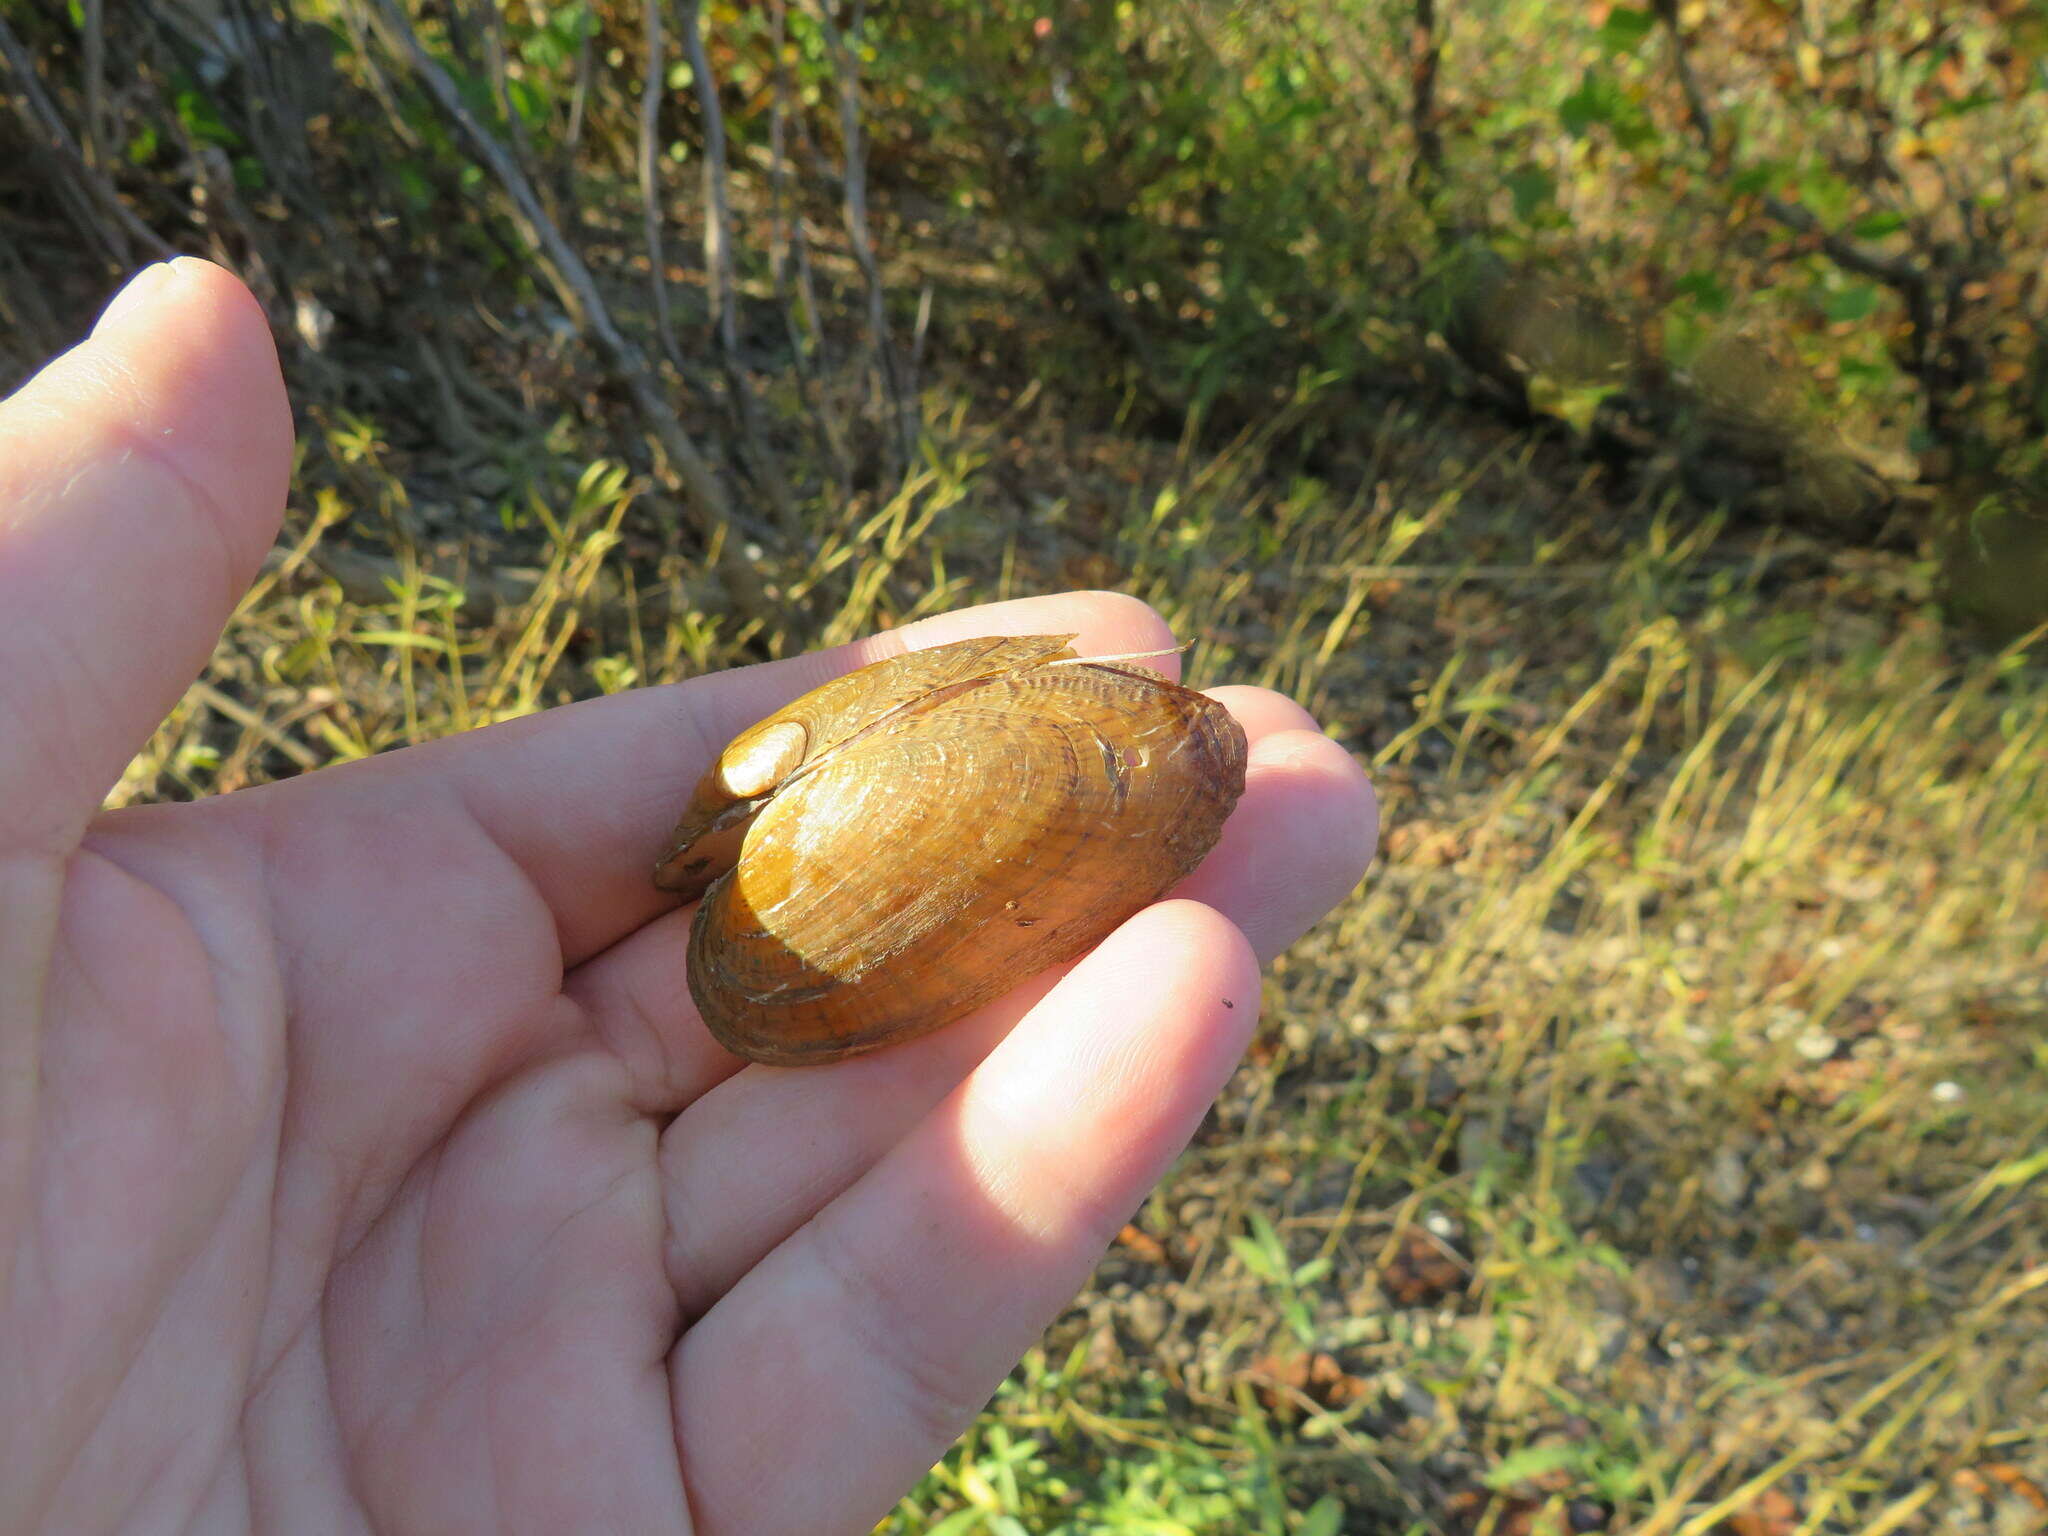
<point x="142" y="287"/>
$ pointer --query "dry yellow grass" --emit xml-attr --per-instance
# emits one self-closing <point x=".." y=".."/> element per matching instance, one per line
<point x="1655" y="1141"/>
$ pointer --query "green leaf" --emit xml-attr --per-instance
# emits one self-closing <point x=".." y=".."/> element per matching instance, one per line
<point x="299" y="660"/>
<point x="2020" y="1171"/>
<point x="1704" y="289"/>
<point x="1600" y="100"/>
<point x="1481" y="703"/>
<point x="528" y="101"/>
<point x="195" y="110"/>
<point x="419" y="191"/>
<point x="402" y="638"/>
<point x="1625" y="29"/>
<point x="1976" y="101"/>
<point x="1585" y="107"/>
<point x="1875" y="226"/>
<point x="1826" y="194"/>
<point x="1635" y="131"/>
<point x="1255" y="1258"/>
<point x="1531" y="1461"/>
<point x="1533" y="189"/>
<point x="1855" y="301"/>
<point x="1325" y="1518"/>
<point x="1755" y="180"/>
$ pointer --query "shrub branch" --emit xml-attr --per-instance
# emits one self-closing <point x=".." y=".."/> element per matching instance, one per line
<point x="704" y="497"/>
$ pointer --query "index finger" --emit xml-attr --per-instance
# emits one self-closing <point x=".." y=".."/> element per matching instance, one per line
<point x="581" y="797"/>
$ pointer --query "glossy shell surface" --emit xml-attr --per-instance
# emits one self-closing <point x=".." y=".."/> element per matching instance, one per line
<point x="916" y="838"/>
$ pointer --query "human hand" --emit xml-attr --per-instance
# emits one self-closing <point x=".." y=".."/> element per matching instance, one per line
<point x="363" y="1161"/>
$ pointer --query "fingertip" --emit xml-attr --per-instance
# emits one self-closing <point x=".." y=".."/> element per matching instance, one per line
<point x="134" y="296"/>
<point x="1223" y="983"/>
<point x="1335" y="820"/>
<point x="1261" y="711"/>
<point x="1226" y="958"/>
<point x="182" y="367"/>
<point x="1122" y="617"/>
<point x="1335" y="780"/>
<point x="191" y="292"/>
<point x="1300" y="840"/>
<point x="198" y="350"/>
<point x="1157" y="1014"/>
<point x="1186" y="951"/>
<point x="1105" y="623"/>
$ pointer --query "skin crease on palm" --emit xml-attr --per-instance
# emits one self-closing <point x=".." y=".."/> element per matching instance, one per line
<point x="363" y="1162"/>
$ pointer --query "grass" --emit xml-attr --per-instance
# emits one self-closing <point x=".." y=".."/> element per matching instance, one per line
<point x="1653" y="1143"/>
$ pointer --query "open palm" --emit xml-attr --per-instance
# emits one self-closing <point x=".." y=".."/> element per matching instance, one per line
<point x="363" y="1162"/>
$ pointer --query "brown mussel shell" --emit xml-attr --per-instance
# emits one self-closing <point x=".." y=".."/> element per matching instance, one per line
<point x="914" y="839"/>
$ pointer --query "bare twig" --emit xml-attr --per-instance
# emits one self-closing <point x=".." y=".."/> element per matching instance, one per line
<point x="373" y="75"/>
<point x="922" y="327"/>
<point x="785" y="226"/>
<point x="456" y="20"/>
<point x="95" y="82"/>
<point x="255" y="724"/>
<point x="1688" y="81"/>
<point x="787" y="248"/>
<point x="456" y="427"/>
<point x="23" y="310"/>
<point x="719" y="269"/>
<point x="579" y="101"/>
<point x="275" y="99"/>
<point x="718" y="255"/>
<point x="94" y="205"/>
<point x="854" y="205"/>
<point x="651" y="93"/>
<point x="653" y="90"/>
<point x="1429" y="139"/>
<point x="521" y="145"/>
<point x="447" y="351"/>
<point x="579" y="293"/>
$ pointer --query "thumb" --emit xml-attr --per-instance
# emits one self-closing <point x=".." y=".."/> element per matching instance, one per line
<point x="142" y="476"/>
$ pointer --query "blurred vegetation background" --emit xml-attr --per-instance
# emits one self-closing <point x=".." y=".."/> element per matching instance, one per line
<point x="1623" y="425"/>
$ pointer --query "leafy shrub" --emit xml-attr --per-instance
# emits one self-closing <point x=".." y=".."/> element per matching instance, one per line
<point x="1207" y="192"/>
